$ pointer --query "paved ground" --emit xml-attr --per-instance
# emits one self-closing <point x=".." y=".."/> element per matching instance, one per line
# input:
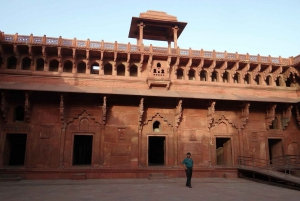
<point x="204" y="189"/>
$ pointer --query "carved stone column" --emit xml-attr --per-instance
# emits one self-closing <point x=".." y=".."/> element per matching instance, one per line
<point x="141" y="34"/>
<point x="175" y="30"/>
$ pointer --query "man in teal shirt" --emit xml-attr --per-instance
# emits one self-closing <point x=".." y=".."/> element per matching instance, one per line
<point x="188" y="165"/>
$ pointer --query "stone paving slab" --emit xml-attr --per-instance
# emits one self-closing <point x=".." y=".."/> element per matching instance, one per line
<point x="205" y="189"/>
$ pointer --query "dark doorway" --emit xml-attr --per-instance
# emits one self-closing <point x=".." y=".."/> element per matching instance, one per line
<point x="223" y="151"/>
<point x="14" y="150"/>
<point x="156" y="150"/>
<point x="82" y="150"/>
<point x="275" y="148"/>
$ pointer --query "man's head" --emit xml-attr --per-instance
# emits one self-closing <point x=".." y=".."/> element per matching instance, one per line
<point x="188" y="154"/>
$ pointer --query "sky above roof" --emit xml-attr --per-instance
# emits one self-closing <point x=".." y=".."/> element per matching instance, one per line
<point x="250" y="26"/>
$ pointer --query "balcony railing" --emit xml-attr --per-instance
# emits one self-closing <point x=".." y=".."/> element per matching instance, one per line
<point x="101" y="45"/>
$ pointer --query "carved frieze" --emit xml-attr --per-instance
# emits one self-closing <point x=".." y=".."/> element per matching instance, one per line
<point x="104" y="110"/>
<point x="270" y="115"/>
<point x="286" y="116"/>
<point x="61" y="111"/>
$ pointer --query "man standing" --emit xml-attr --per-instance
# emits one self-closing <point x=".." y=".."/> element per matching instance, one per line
<point x="188" y="165"/>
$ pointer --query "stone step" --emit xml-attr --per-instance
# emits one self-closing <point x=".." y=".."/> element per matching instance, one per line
<point x="79" y="176"/>
<point x="157" y="176"/>
<point x="9" y="177"/>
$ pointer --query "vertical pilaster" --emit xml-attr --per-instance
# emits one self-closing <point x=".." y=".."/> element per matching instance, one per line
<point x="141" y="33"/>
<point x="175" y="30"/>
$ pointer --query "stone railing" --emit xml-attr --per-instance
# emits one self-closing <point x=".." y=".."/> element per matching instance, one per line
<point x="87" y="44"/>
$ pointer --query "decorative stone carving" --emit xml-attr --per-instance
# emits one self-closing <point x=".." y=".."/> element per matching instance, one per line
<point x="193" y="137"/>
<point x="244" y="71"/>
<point x="121" y="133"/>
<point x="4" y="107"/>
<point x="200" y="66"/>
<point x="289" y="71"/>
<point x="256" y="71"/>
<point x="46" y="131"/>
<point x="223" y="118"/>
<point x="234" y="69"/>
<point x="276" y="73"/>
<point x="286" y="116"/>
<point x="270" y="116"/>
<point x="104" y="110"/>
<point x="175" y="66"/>
<point x="211" y="113"/>
<point x="178" y="114"/>
<point x="211" y="68"/>
<point x="189" y="65"/>
<point x="266" y="72"/>
<point x="84" y="124"/>
<point x="149" y="65"/>
<point x="83" y="119"/>
<point x="244" y="114"/>
<point x="27" y="108"/>
<point x="150" y="118"/>
<point x="141" y="63"/>
<point x="254" y="136"/>
<point x="141" y="112"/>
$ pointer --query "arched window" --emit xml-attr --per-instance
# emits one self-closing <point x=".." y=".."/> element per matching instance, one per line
<point x="95" y="68"/>
<point x="108" y="69"/>
<point x="26" y="63"/>
<point x="121" y="70"/>
<point x="214" y="77"/>
<point x="191" y="75"/>
<point x="39" y="64"/>
<point x="279" y="81"/>
<point x="236" y="78"/>
<point x="156" y="126"/>
<point x="257" y="79"/>
<point x="53" y="65"/>
<point x="203" y="75"/>
<point x="68" y="65"/>
<point x="19" y="113"/>
<point x="225" y="77"/>
<point x="269" y="80"/>
<point x="81" y="67"/>
<point x="11" y="62"/>
<point x="133" y="71"/>
<point x="247" y="78"/>
<point x="179" y="74"/>
<point x="158" y="65"/>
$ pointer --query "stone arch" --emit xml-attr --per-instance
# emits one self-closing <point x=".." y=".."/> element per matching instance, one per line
<point x="156" y="126"/>
<point x="226" y="77"/>
<point x="247" y="79"/>
<point x="203" y="75"/>
<point x="39" y="64"/>
<point x="95" y="67"/>
<point x="236" y="78"/>
<point x="180" y="74"/>
<point x="53" y="65"/>
<point x="279" y="81"/>
<point x="108" y="69"/>
<point x="191" y="74"/>
<point x="26" y="63"/>
<point x="68" y="66"/>
<point x="81" y="67"/>
<point x="214" y="76"/>
<point x="269" y="80"/>
<point x="159" y="116"/>
<point x="133" y="71"/>
<point x="12" y="62"/>
<point x="121" y="70"/>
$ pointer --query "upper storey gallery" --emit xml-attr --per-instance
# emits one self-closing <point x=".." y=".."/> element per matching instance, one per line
<point x="64" y="57"/>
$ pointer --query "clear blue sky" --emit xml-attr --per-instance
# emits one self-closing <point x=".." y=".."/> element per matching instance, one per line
<point x="251" y="26"/>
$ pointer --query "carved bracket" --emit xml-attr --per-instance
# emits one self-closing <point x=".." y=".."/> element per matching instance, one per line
<point x="27" y="108"/>
<point x="178" y="114"/>
<point x="270" y="116"/>
<point x="244" y="114"/>
<point x="286" y="116"/>
<point x="4" y="106"/>
<point x="211" y="114"/>
<point x="141" y="112"/>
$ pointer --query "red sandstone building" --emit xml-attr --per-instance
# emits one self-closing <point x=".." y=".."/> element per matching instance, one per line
<point x="112" y="110"/>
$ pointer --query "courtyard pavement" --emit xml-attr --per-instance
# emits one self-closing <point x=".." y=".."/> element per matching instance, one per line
<point x="204" y="189"/>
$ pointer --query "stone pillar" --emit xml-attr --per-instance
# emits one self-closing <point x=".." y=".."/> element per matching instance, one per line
<point x="141" y="33"/>
<point x="175" y="30"/>
<point x="62" y="146"/>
